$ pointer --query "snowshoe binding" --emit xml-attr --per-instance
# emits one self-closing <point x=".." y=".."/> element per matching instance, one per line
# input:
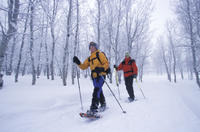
<point x="90" y="114"/>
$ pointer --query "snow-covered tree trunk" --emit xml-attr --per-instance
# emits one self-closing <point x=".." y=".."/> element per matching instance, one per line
<point x="119" y="17"/>
<point x="110" y="32"/>
<point x="10" y="68"/>
<point x="181" y="64"/>
<point x="188" y="16"/>
<point x="52" y="53"/>
<point x="76" y="41"/>
<point x="181" y="71"/>
<point x="145" y="53"/>
<point x="174" y="60"/>
<point x="66" y="50"/>
<point x="116" y="44"/>
<point x="167" y="68"/>
<point x="24" y="67"/>
<point x="52" y="28"/>
<point x="129" y="23"/>
<point x="172" y="48"/>
<point x="99" y="22"/>
<point x="192" y="43"/>
<point x="39" y="65"/>
<point x="110" y="25"/>
<point x="39" y="56"/>
<point x="13" y="11"/>
<point x="32" y="42"/>
<point x="46" y="54"/>
<point x="141" y="69"/>
<point x="21" y="47"/>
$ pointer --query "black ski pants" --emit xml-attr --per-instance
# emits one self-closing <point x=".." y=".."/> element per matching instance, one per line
<point x="129" y="86"/>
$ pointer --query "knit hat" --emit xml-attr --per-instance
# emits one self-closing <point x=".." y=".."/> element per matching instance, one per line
<point x="93" y="44"/>
<point x="127" y="54"/>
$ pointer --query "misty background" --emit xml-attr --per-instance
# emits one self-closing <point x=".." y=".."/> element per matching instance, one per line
<point x="40" y="37"/>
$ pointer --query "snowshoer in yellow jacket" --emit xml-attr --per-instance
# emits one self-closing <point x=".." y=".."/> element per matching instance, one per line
<point x="98" y="64"/>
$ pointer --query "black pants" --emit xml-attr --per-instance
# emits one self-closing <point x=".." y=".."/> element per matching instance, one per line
<point x="129" y="86"/>
<point x="97" y="95"/>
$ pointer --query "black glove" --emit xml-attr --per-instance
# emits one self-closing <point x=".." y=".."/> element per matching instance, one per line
<point x="115" y="67"/>
<point x="99" y="70"/>
<point x="76" y="60"/>
<point x="135" y="76"/>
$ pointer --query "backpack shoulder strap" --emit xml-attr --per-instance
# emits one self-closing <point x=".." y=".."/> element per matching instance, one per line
<point x="97" y="55"/>
<point x="108" y="71"/>
<point x="131" y="61"/>
<point x="88" y="59"/>
<point x="123" y="62"/>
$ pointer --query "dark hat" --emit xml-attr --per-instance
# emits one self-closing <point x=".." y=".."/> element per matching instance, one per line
<point x="93" y="44"/>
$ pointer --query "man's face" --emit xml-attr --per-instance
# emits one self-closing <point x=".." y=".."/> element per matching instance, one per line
<point x="92" y="49"/>
<point x="127" y="56"/>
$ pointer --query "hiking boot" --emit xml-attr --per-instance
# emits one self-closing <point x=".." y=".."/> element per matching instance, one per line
<point x="130" y="99"/>
<point x="102" y="107"/>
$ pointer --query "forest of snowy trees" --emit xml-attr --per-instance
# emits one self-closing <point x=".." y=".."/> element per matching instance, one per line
<point x="179" y="48"/>
<point x="41" y="37"/>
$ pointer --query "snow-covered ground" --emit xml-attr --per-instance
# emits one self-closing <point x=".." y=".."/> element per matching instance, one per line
<point x="51" y="107"/>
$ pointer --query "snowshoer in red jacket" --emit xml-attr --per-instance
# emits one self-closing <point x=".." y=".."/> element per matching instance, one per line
<point x="130" y="70"/>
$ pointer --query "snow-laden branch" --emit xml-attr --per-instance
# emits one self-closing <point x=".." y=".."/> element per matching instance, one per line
<point x="3" y="9"/>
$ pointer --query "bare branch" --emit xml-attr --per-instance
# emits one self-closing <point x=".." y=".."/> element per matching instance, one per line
<point x="4" y="9"/>
<point x="2" y="28"/>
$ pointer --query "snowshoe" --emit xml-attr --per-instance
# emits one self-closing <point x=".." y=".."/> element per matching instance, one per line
<point x="91" y="114"/>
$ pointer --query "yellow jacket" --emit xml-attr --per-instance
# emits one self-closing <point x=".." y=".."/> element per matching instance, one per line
<point x="93" y="62"/>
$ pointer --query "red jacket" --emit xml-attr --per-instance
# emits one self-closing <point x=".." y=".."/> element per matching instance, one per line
<point x="128" y="66"/>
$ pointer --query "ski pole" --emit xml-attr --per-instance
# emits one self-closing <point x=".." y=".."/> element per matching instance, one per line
<point x="114" y="95"/>
<point x="79" y="91"/>
<point x="117" y="82"/>
<point x="140" y="88"/>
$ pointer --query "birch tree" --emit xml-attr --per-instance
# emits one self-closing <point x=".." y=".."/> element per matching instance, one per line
<point x="22" y="45"/>
<point x="39" y="65"/>
<point x="165" y="58"/>
<point x="143" y="57"/>
<point x="116" y="39"/>
<point x="13" y="47"/>
<point x="76" y="41"/>
<point x="186" y="10"/>
<point x="13" y="11"/>
<point x="46" y="54"/>
<point x="66" y="50"/>
<point x="32" y="41"/>
<point x="99" y="6"/>
<point x="136" y="20"/>
<point x="51" y="8"/>
<point x="170" y="30"/>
